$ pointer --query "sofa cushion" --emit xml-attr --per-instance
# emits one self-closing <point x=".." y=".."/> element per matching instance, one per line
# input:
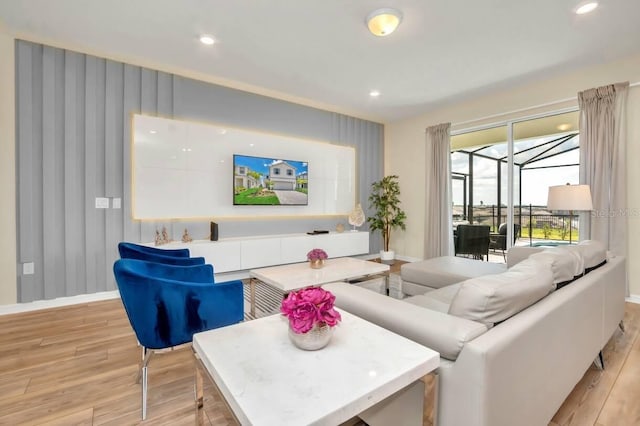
<point x="437" y="300"/>
<point x="443" y="271"/>
<point x="563" y="263"/>
<point x="577" y="252"/>
<point x="594" y="253"/>
<point x="494" y="298"/>
<point x="439" y="331"/>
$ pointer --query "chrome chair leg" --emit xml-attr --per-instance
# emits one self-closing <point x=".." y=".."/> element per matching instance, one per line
<point x="144" y="393"/>
<point x="142" y="374"/>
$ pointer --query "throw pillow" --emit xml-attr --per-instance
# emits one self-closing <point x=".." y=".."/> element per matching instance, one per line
<point x="490" y="299"/>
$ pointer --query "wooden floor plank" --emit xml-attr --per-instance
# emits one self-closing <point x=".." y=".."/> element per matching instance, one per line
<point x="583" y="405"/>
<point x="78" y="364"/>
<point x="622" y="406"/>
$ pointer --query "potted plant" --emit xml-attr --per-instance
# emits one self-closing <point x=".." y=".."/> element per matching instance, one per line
<point x="384" y="200"/>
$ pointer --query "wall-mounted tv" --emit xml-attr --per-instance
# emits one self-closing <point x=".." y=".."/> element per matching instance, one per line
<point x="269" y="181"/>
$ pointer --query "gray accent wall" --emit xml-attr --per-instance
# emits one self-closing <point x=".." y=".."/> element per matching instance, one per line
<point x="73" y="136"/>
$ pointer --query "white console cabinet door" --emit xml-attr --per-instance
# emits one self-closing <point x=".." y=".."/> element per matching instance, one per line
<point x="348" y="244"/>
<point x="260" y="252"/>
<point x="295" y="248"/>
<point x="223" y="255"/>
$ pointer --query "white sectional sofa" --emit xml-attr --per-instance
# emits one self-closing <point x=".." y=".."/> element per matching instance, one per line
<point x="512" y="347"/>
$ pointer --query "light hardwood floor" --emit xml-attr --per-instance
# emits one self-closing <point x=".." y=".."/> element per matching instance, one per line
<point x="77" y="365"/>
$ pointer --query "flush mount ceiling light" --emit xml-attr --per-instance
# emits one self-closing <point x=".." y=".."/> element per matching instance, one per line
<point x="207" y="39"/>
<point x="586" y="8"/>
<point x="382" y="22"/>
<point x="374" y="93"/>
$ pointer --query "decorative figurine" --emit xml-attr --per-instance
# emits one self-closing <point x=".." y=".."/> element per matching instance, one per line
<point x="186" y="238"/>
<point x="162" y="238"/>
<point x="356" y="217"/>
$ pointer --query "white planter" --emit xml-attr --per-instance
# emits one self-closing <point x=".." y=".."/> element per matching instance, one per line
<point x="387" y="256"/>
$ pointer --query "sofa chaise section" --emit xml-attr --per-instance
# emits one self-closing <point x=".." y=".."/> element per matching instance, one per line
<point x="518" y="371"/>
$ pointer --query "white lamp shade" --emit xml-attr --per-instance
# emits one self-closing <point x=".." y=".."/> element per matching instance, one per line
<point x="382" y="22"/>
<point x="570" y="198"/>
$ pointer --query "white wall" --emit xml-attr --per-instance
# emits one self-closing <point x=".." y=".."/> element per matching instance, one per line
<point x="404" y="142"/>
<point x="8" y="287"/>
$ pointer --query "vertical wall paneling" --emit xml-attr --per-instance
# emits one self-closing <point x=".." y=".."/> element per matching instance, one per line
<point x="114" y="120"/>
<point x="165" y="95"/>
<point x="91" y="237"/>
<point x="99" y="250"/>
<point x="73" y="136"/>
<point x="131" y="100"/>
<point x="71" y="148"/>
<point x="24" y="153"/>
<point x="49" y="182"/>
<point x="149" y="92"/>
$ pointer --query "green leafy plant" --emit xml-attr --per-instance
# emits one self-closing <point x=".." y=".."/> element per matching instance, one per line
<point x="384" y="200"/>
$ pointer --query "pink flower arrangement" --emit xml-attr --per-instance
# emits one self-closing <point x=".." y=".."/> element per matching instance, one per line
<point x="308" y="307"/>
<point x="317" y="254"/>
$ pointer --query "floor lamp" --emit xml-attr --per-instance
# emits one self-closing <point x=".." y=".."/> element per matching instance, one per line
<point x="569" y="197"/>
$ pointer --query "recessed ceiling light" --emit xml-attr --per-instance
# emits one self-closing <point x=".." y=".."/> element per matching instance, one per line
<point x="207" y="39"/>
<point x="153" y="132"/>
<point x="374" y="93"/>
<point x="586" y="8"/>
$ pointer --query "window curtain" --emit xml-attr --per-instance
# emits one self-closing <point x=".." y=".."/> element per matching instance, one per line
<point x="438" y="238"/>
<point x="603" y="163"/>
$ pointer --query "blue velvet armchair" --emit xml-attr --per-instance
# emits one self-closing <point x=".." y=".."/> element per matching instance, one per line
<point x="167" y="304"/>
<point x="152" y="254"/>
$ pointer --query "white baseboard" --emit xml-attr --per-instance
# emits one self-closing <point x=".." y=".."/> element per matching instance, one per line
<point x="634" y="298"/>
<point x="58" y="302"/>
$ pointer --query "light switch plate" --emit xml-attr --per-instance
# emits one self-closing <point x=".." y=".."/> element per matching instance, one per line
<point x="116" y="203"/>
<point x="102" y="203"/>
<point x="28" y="268"/>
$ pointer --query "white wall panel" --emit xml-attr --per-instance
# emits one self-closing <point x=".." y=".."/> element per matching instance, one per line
<point x="183" y="169"/>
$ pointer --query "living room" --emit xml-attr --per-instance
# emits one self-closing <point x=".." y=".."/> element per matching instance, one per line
<point x="385" y="146"/>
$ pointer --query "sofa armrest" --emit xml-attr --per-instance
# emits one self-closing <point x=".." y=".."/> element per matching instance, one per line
<point x="441" y="332"/>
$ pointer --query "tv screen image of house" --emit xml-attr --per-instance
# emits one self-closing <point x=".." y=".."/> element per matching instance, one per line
<point x="269" y="181"/>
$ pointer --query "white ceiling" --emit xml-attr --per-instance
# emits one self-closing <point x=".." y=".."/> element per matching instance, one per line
<point x="320" y="53"/>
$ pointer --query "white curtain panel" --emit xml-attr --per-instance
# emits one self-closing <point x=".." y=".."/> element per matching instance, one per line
<point x="603" y="164"/>
<point x="438" y="238"/>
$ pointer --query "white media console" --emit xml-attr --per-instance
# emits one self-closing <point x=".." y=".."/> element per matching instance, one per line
<point x="243" y="253"/>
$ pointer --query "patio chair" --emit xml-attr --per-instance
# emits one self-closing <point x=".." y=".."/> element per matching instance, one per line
<point x="498" y="241"/>
<point x="166" y="305"/>
<point x="473" y="241"/>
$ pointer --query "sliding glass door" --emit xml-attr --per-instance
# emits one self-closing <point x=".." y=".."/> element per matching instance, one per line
<point x="541" y="152"/>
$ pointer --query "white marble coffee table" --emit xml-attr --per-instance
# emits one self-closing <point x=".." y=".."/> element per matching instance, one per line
<point x="266" y="380"/>
<point x="299" y="275"/>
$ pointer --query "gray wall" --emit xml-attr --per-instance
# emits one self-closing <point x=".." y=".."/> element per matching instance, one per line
<point x="73" y="125"/>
